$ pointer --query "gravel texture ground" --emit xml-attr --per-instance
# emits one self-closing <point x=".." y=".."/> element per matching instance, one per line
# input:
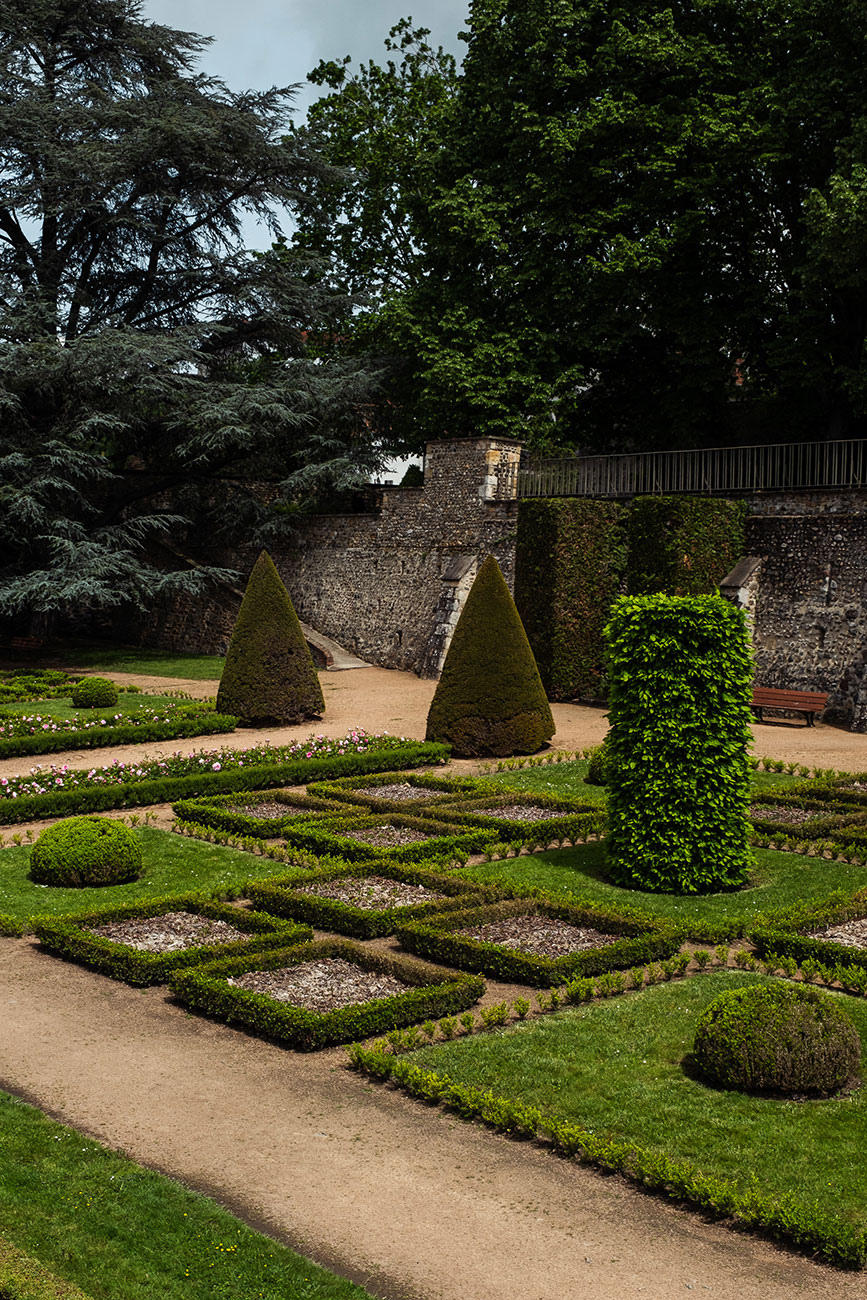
<point x="323" y="985"/>
<point x="169" y="933"/>
<point x="372" y="893"/>
<point x="853" y="934"/>
<point x="541" y="936"/>
<point x="521" y="812"/>
<point x="386" y="836"/>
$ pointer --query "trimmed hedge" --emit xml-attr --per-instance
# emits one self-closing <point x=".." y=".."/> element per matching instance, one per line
<point x="261" y="776"/>
<point x="575" y="823"/>
<point x="325" y="835"/>
<point x="434" y="993"/>
<point x="784" y="933"/>
<point x="569" y="563"/>
<point x="70" y="937"/>
<point x="434" y="789"/>
<point x="186" y="725"/>
<point x="682" y="545"/>
<point x="43" y="684"/>
<point x="643" y="940"/>
<point x="85" y="851"/>
<point x="217" y="812"/>
<point x="826" y="822"/>
<point x="24" y="1278"/>
<point x="680" y="676"/>
<point x="95" y="693"/>
<point x="826" y="1236"/>
<point x="283" y="898"/>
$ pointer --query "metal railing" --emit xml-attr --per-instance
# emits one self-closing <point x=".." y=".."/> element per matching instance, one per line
<point x="779" y="467"/>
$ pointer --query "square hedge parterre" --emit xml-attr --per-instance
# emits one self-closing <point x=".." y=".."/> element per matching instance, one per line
<point x="388" y="837"/>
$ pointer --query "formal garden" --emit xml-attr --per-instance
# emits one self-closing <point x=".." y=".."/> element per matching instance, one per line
<point x="679" y="931"/>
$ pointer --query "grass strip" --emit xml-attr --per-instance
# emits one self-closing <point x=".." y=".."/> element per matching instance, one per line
<point x="112" y="1228"/>
<point x="607" y="1084"/>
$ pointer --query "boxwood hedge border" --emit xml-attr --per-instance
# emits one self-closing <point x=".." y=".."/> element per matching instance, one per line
<point x="434" y="993"/>
<point x="578" y="821"/>
<point x="69" y="936"/>
<point x="217" y="812"/>
<point x="443" y="789"/>
<point x="447" y="842"/>
<point x="783" y="933"/>
<point x="184" y="727"/>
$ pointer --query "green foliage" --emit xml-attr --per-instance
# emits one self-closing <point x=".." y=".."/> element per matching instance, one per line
<point x="680" y="675"/>
<point x="789" y="932"/>
<point x="489" y="700"/>
<point x="94" y="693"/>
<point x="433" y="992"/>
<point x="561" y="820"/>
<point x="185" y="720"/>
<point x="569" y="562"/>
<point x="269" y="674"/>
<point x="283" y="897"/>
<point x="597" y="765"/>
<point x="224" y="811"/>
<point x="43" y="684"/>
<point x="86" y="851"/>
<point x="439" y="938"/>
<point x="23" y="1278"/>
<point x="778" y="1038"/>
<point x="71" y="937"/>
<point x="683" y="546"/>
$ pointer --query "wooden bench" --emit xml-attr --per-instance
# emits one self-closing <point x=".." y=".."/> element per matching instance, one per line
<point x="807" y="702"/>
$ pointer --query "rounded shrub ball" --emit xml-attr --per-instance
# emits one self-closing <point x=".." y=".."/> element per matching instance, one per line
<point x="94" y="693"/>
<point x="86" y="851"/>
<point x="780" y="1038"/>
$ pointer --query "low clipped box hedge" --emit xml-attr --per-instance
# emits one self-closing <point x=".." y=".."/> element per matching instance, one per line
<point x="220" y="812"/>
<point x="87" y="798"/>
<point x="789" y="933"/>
<point x="184" y="724"/>
<point x="95" y="693"/>
<point x="285" y="898"/>
<point x="574" y="821"/>
<point x="778" y="1038"/>
<point x="84" y="851"/>
<point x="826" y="818"/>
<point x="432" y="790"/>
<point x="433" y="993"/>
<point x="640" y="941"/>
<point x="446" y="842"/>
<point x="846" y="789"/>
<point x="71" y="937"/>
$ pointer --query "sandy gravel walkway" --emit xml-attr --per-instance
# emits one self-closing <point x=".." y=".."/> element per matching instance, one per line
<point x="413" y="1203"/>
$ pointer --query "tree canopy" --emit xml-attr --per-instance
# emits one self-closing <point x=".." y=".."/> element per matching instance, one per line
<point x="637" y="225"/>
<point x="145" y="357"/>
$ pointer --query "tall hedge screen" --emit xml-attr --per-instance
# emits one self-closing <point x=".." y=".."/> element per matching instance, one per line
<point x="683" y="545"/>
<point x="569" y="564"/>
<point x="680" y="674"/>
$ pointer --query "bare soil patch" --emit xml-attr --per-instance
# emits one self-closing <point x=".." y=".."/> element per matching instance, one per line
<point x="323" y="985"/>
<point x="540" y="936"/>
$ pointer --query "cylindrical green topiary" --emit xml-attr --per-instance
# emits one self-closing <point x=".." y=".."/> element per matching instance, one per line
<point x="86" y="851"/>
<point x="94" y="693"/>
<point x="680" y="680"/>
<point x="783" y="1038"/>
<point x="489" y="701"/>
<point x="269" y="674"/>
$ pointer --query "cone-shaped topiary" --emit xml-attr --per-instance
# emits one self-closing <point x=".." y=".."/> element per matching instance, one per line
<point x="269" y="674"/>
<point x="490" y="700"/>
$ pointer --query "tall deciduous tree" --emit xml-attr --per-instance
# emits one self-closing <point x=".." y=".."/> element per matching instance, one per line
<point x="142" y="352"/>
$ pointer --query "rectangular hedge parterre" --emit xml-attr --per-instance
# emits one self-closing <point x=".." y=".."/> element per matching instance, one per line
<point x="846" y="789"/>
<point x="548" y="817"/>
<point x="445" y="842"/>
<point x="71" y="937"/>
<point x="424" y="790"/>
<point x="184" y="724"/>
<point x="433" y="993"/>
<point x="641" y="941"/>
<point x="801" y="820"/>
<point x="220" y="811"/>
<point x="291" y="898"/>
<point x="87" y="798"/>
<point x="788" y="933"/>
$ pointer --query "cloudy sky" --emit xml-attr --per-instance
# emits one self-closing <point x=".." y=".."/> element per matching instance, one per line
<point x="261" y="43"/>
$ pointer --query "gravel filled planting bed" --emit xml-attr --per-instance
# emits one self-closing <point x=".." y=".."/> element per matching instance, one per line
<point x="543" y="936"/>
<point x="783" y="813"/>
<point x="852" y="934"/>
<point x="171" y="932"/>
<point x="324" y="985"/>
<point x="398" y="792"/>
<point x="371" y="893"/>
<point x="386" y="836"/>
<point x="521" y="812"/>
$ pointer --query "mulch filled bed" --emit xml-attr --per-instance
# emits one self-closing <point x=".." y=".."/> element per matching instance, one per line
<point x="385" y="836"/>
<point x="172" y="932"/>
<point x="324" y="985"/>
<point x="373" y="893"/>
<point x="399" y="792"/>
<point x="783" y="814"/>
<point x="520" y="812"/>
<point x="541" y="936"/>
<point x="270" y="809"/>
<point x="852" y="934"/>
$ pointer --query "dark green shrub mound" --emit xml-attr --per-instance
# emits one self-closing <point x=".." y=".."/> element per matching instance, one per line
<point x="94" y="693"/>
<point x="269" y="674"/>
<point x="778" y="1038"/>
<point x="597" y="766"/>
<point x="86" y="851"/>
<point x="490" y="701"/>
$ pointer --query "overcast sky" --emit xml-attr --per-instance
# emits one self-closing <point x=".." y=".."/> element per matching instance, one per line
<point x="261" y="43"/>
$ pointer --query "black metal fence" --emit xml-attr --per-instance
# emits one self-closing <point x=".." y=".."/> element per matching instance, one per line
<point x="779" y="467"/>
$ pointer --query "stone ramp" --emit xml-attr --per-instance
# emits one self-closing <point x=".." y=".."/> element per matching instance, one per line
<point x="337" y="658"/>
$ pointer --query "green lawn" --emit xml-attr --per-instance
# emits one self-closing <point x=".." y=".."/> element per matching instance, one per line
<point x="567" y="779"/>
<point x="615" y="1067"/>
<point x="128" y="704"/>
<point x="173" y="865"/>
<point x="117" y="1230"/>
<point x="151" y="663"/>
<point x="779" y="880"/>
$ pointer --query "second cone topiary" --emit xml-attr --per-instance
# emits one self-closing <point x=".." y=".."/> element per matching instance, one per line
<point x="490" y="701"/>
<point x="782" y="1038"/>
<point x="269" y="674"/>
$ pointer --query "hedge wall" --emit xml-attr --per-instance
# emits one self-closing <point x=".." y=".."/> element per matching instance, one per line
<point x="683" y="546"/>
<point x="569" y="565"/>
